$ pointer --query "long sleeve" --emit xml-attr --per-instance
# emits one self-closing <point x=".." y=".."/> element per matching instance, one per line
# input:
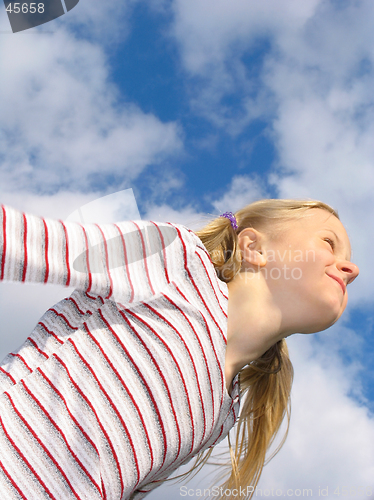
<point x="104" y="401"/>
<point x="128" y="261"/>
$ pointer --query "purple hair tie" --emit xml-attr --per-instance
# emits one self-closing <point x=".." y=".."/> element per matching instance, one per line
<point x="232" y="219"/>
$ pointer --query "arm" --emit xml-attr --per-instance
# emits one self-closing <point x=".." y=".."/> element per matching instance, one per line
<point x="128" y="261"/>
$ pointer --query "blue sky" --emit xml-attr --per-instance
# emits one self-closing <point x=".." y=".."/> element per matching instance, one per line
<point x="203" y="107"/>
<point x="148" y="70"/>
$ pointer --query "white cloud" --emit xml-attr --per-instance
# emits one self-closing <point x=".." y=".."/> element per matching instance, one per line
<point x="214" y="36"/>
<point x="107" y="22"/>
<point x="242" y="191"/>
<point x="56" y="206"/>
<point x="331" y="435"/>
<point x="210" y="31"/>
<point x="62" y="123"/>
<point x="165" y="213"/>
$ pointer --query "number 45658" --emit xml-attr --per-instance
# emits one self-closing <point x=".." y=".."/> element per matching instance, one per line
<point x="25" y="8"/>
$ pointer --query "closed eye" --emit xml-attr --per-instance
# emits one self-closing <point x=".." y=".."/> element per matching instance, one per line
<point x="330" y="242"/>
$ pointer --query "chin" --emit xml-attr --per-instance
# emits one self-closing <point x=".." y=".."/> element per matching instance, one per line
<point x="335" y="317"/>
<point x="336" y="307"/>
<point x="326" y="317"/>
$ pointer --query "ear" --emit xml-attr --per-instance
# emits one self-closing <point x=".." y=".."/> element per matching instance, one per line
<point x="251" y="245"/>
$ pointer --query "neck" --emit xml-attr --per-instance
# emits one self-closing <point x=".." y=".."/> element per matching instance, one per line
<point x="254" y="323"/>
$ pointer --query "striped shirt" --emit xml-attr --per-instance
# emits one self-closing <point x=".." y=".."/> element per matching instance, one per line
<point x="122" y="382"/>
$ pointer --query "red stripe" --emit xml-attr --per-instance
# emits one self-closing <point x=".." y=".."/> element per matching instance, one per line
<point x="24" y="247"/>
<point x="76" y="305"/>
<point x="50" y="332"/>
<point x="23" y="361"/>
<point x="38" y="439"/>
<point x="114" y="408"/>
<point x="211" y="284"/>
<point x="93" y="411"/>
<point x="215" y="354"/>
<point x="203" y="249"/>
<point x="214" y="320"/>
<point x="87" y="259"/>
<point x="63" y="317"/>
<point x="11" y="480"/>
<point x="86" y="436"/>
<point x="178" y="367"/>
<point x="194" y="284"/>
<point x="36" y="436"/>
<point x="211" y="341"/>
<point x="205" y="304"/>
<point x="66" y="253"/>
<point x="62" y="435"/>
<point x="129" y="357"/>
<point x="126" y="263"/>
<point x="4" y="243"/>
<point x="8" y="375"/>
<point x="183" y="243"/>
<point x="204" y="356"/>
<point x="24" y="458"/>
<point x="36" y="347"/>
<point x="163" y="251"/>
<point x="191" y="358"/>
<point x="144" y="256"/>
<point x="106" y="261"/>
<point x="46" y="251"/>
<point x="125" y="387"/>
<point x="103" y="489"/>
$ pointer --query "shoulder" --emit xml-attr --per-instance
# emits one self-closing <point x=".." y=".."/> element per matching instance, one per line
<point x="174" y="235"/>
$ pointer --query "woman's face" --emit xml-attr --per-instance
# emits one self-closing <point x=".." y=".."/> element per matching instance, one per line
<point x="307" y="270"/>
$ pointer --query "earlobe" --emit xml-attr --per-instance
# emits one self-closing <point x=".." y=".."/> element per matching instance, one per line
<point x="259" y="258"/>
<point x="254" y="257"/>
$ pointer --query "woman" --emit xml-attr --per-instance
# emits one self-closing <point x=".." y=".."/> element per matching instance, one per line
<point x="138" y="370"/>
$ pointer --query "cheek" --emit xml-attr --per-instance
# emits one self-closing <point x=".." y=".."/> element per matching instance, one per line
<point x="305" y="277"/>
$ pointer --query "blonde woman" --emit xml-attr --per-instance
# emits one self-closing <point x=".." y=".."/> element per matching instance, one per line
<point x="167" y="335"/>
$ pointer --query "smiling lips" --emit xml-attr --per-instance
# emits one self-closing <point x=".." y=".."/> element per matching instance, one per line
<point x="339" y="280"/>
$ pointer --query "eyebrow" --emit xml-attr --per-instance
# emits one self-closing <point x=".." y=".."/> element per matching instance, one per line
<point x="339" y="240"/>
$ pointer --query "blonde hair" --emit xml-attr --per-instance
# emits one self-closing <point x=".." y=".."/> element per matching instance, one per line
<point x="265" y="384"/>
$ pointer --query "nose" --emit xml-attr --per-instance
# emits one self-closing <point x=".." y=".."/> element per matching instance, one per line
<point x="350" y="270"/>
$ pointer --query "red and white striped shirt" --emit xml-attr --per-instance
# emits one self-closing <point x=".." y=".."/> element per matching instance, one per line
<point x="122" y="382"/>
